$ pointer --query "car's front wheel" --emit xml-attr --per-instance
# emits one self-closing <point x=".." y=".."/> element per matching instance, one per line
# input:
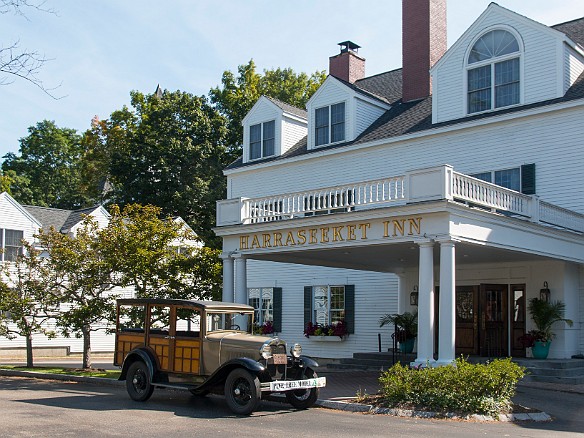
<point x="242" y="391"/>
<point x="138" y="383"/>
<point x="303" y="398"/>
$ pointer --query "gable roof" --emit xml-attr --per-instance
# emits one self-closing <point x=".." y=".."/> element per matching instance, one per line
<point x="16" y="204"/>
<point x="416" y="116"/>
<point x="288" y="108"/>
<point x="61" y="220"/>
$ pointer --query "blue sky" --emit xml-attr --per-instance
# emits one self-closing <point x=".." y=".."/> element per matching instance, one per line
<point x="101" y="50"/>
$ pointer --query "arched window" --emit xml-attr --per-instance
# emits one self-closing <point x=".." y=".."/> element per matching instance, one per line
<point x="493" y="79"/>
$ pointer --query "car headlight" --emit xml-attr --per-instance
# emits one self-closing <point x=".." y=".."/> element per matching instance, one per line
<point x="266" y="351"/>
<point x="296" y="350"/>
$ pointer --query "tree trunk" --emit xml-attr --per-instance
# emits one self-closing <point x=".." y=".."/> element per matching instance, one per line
<point x="86" y="347"/>
<point x="29" y="359"/>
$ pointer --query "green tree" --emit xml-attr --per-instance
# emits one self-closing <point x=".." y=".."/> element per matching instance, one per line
<point x="25" y="304"/>
<point x="167" y="151"/>
<point x="47" y="167"/>
<point x="157" y="257"/>
<point x="83" y="279"/>
<point x="237" y="95"/>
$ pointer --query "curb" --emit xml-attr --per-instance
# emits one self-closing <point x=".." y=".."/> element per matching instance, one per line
<point x="327" y="404"/>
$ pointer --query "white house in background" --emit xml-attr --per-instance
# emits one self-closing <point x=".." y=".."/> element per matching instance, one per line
<point x="22" y="222"/>
<point x="454" y="182"/>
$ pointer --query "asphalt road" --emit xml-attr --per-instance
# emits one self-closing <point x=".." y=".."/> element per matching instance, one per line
<point x="44" y="408"/>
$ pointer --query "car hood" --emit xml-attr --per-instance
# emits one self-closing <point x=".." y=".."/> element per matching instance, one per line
<point x="235" y="345"/>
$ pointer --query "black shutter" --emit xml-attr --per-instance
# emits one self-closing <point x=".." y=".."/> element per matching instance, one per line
<point x="277" y="322"/>
<point x="528" y="179"/>
<point x="350" y="307"/>
<point x="307" y="304"/>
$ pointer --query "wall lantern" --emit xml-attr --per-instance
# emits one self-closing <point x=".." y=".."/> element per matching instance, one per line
<point x="544" y="294"/>
<point x="414" y="297"/>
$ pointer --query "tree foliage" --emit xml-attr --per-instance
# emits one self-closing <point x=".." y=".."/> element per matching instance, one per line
<point x="25" y="298"/>
<point x="238" y="94"/>
<point x="166" y="151"/>
<point x="158" y="257"/>
<point x="47" y="170"/>
<point x="83" y="279"/>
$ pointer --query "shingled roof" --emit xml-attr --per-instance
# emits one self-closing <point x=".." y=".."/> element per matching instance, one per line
<point x="288" y="108"/>
<point x="416" y="116"/>
<point x="60" y="220"/>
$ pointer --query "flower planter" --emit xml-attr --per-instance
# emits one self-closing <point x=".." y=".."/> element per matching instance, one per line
<point x="407" y="346"/>
<point x="326" y="338"/>
<point x="540" y="350"/>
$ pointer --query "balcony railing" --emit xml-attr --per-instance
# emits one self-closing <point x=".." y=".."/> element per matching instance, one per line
<point x="437" y="183"/>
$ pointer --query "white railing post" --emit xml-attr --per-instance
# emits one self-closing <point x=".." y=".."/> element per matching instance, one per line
<point x="533" y="209"/>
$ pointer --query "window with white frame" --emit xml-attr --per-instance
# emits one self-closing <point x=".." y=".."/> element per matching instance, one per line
<point x="11" y="244"/>
<point x="262" y="140"/>
<point x="493" y="72"/>
<point x="262" y="300"/>
<point x="328" y="304"/>
<point x="329" y="124"/>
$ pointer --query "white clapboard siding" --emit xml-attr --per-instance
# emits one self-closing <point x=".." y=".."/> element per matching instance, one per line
<point x="375" y="295"/>
<point x="292" y="132"/>
<point x="546" y="140"/>
<point x="541" y="78"/>
<point x="365" y="114"/>
<point x="573" y="66"/>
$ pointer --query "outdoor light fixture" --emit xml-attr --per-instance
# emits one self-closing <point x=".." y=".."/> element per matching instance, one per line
<point x="544" y="294"/>
<point x="414" y="297"/>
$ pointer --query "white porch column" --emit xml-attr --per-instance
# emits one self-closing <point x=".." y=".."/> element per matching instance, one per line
<point x="402" y="297"/>
<point x="227" y="279"/>
<point x="447" y="310"/>
<point x="426" y="306"/>
<point x="240" y="294"/>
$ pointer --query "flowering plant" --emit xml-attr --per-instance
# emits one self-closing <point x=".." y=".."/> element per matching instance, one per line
<point x="338" y="328"/>
<point x="528" y="339"/>
<point x="267" y="328"/>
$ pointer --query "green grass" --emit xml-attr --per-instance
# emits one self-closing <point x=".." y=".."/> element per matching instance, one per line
<point x="108" y="374"/>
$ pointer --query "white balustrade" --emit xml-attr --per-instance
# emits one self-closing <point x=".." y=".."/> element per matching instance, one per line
<point x="416" y="186"/>
<point x="330" y="199"/>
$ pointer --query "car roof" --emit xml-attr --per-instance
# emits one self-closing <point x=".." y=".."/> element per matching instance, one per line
<point x="203" y="305"/>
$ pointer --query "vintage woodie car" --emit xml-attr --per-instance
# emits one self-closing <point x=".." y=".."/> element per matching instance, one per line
<point x="208" y="346"/>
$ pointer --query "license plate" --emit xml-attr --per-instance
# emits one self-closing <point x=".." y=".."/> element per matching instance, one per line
<point x="289" y="385"/>
<point x="280" y="359"/>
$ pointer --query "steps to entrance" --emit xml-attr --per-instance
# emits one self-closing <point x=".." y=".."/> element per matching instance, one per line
<point x="568" y="371"/>
<point x="371" y="361"/>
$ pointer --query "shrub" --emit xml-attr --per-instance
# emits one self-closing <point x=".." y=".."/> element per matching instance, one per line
<point x="462" y="387"/>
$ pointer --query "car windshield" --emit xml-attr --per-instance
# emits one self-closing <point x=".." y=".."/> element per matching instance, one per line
<point x="220" y="321"/>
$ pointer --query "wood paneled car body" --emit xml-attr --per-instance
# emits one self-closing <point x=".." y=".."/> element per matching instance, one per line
<point x="208" y="346"/>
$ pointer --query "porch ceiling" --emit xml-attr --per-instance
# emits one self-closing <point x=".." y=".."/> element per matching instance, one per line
<point x="396" y="256"/>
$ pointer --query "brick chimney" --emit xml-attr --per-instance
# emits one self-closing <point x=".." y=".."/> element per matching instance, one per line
<point x="423" y="43"/>
<point x="347" y="65"/>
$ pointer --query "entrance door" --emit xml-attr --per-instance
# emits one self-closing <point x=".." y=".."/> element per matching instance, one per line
<point x="494" y="317"/>
<point x="467" y="313"/>
<point x="517" y="309"/>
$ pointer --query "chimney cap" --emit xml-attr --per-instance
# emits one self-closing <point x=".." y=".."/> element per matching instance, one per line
<point x="347" y="46"/>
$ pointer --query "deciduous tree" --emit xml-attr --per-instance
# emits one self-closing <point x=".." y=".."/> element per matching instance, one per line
<point x="25" y="299"/>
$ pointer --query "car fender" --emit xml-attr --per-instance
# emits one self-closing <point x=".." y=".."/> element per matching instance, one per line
<point x="221" y="373"/>
<point x="308" y="362"/>
<point x="141" y="354"/>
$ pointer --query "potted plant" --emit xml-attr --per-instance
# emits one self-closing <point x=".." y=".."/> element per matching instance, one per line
<point x="544" y="314"/>
<point x="406" y="329"/>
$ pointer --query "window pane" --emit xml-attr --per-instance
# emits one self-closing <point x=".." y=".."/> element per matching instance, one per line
<point x="492" y="44"/>
<point x="320" y="305"/>
<point x="14" y="238"/>
<point x="507" y="83"/>
<point x="13" y="244"/>
<point x="269" y="138"/>
<point x="255" y="139"/>
<point x="484" y="176"/>
<point x="159" y="320"/>
<point x="509" y="178"/>
<point x="321" y="122"/>
<point x="479" y="89"/>
<point x="338" y="122"/>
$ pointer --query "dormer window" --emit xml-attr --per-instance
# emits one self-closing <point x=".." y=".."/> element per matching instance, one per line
<point x="493" y="75"/>
<point x="262" y="139"/>
<point x="329" y="124"/>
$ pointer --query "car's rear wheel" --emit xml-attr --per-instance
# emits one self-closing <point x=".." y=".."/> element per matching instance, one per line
<point x="242" y="391"/>
<point x="303" y="398"/>
<point x="138" y="383"/>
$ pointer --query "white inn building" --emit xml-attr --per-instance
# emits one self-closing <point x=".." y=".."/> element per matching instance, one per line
<point x="458" y="177"/>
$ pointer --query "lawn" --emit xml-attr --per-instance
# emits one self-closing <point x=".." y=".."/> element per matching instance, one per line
<point x="93" y="372"/>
